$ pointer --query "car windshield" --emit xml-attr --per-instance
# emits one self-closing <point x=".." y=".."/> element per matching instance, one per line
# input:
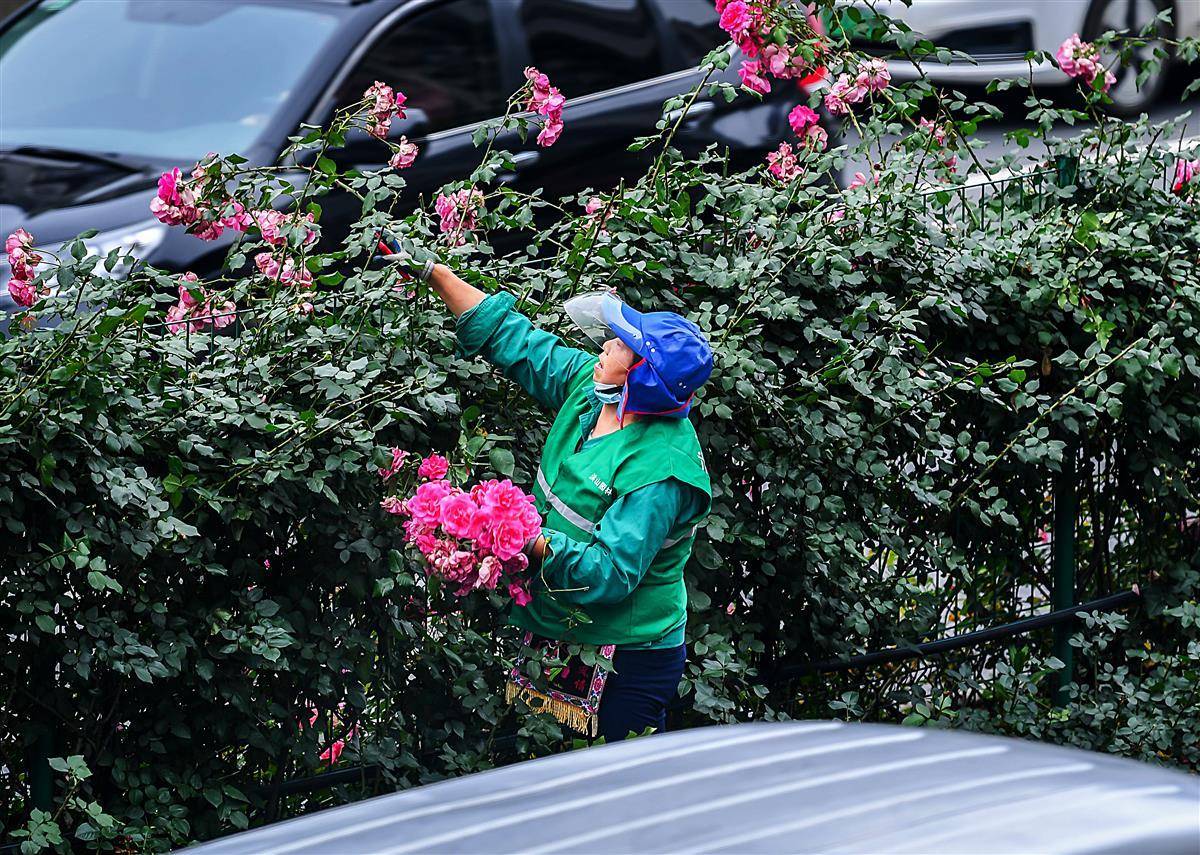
<point x="162" y="79"/>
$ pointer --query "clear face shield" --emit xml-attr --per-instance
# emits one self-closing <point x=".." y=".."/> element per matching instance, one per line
<point x="586" y="311"/>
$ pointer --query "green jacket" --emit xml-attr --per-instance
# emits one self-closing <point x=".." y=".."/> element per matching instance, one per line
<point x="618" y="553"/>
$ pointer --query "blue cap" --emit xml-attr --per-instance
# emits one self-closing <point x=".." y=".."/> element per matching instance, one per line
<point x="676" y="359"/>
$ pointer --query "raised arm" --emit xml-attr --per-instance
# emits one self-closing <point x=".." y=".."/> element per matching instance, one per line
<point x="459" y="296"/>
<point x="489" y="325"/>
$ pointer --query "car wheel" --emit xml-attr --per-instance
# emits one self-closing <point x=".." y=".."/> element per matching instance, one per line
<point x="1130" y="17"/>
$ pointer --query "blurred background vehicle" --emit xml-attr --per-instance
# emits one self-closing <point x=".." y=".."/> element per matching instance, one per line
<point x="137" y="87"/>
<point x="816" y="786"/>
<point x="999" y="34"/>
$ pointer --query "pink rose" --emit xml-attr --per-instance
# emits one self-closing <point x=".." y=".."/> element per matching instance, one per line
<point x="860" y="180"/>
<point x="393" y="505"/>
<point x="842" y="94"/>
<point x="752" y="78"/>
<point x="508" y="538"/>
<point x="239" y="220"/>
<point x="735" y="19"/>
<point x="22" y="292"/>
<point x="176" y="318"/>
<point x="267" y="265"/>
<point x="802" y="118"/>
<point x="405" y="154"/>
<point x="384" y="99"/>
<point x="782" y="63"/>
<point x="425" y="504"/>
<point x="20" y="239"/>
<point x="334" y="751"/>
<point x="458" y="212"/>
<point x="873" y="75"/>
<point x="290" y="274"/>
<point x="550" y="132"/>
<point x="398" y="457"/>
<point x="458" y="512"/>
<point x="268" y="223"/>
<point x="209" y="229"/>
<point x="816" y="138"/>
<point x="433" y="467"/>
<point x="519" y="594"/>
<point x="938" y="131"/>
<point x="168" y="183"/>
<point x="539" y="85"/>
<point x="489" y="572"/>
<point x="1185" y="173"/>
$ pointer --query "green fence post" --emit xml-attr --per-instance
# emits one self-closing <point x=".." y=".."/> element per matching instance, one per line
<point x="41" y="785"/>
<point x="1066" y="513"/>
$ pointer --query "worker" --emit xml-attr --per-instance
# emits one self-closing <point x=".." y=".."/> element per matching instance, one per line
<point x="621" y="486"/>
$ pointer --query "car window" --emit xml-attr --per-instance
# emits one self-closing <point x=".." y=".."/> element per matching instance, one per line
<point x="148" y="87"/>
<point x="444" y="58"/>
<point x="695" y="28"/>
<point x="587" y="46"/>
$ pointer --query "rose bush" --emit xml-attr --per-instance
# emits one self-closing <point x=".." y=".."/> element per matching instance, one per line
<point x="203" y="598"/>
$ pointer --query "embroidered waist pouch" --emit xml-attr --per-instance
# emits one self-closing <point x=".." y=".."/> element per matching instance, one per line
<point x="574" y="689"/>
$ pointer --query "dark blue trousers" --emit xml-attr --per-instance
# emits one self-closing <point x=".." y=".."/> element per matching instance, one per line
<point x="639" y="691"/>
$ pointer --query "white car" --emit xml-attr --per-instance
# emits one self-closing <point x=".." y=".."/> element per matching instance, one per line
<point x="998" y="33"/>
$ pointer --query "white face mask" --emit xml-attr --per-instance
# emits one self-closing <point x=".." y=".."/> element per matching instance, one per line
<point x="608" y="393"/>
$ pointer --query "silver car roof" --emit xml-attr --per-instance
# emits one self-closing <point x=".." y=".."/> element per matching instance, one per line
<point x="811" y="786"/>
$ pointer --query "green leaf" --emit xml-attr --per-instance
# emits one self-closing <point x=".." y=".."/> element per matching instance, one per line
<point x="502" y="461"/>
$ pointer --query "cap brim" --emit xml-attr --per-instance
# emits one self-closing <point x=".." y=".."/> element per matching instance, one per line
<point x="625" y="322"/>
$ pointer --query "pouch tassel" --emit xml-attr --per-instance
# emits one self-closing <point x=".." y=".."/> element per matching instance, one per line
<point x="576" y="718"/>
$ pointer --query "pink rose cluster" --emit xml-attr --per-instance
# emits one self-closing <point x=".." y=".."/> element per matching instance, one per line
<point x="286" y="272"/>
<point x="459" y="212"/>
<point x="182" y="203"/>
<point x="385" y="105"/>
<point x="784" y="162"/>
<point x="196" y="315"/>
<point x="749" y="26"/>
<point x="23" y="261"/>
<point x="331" y="754"/>
<point x="807" y="125"/>
<point x="844" y="92"/>
<point x="547" y="102"/>
<point x="938" y="134"/>
<point x="470" y="538"/>
<point x="1081" y="60"/>
<point x="206" y="210"/>
<point x="1185" y="173"/>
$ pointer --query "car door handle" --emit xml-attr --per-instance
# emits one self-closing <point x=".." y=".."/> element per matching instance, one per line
<point x="698" y="109"/>
<point x="521" y="160"/>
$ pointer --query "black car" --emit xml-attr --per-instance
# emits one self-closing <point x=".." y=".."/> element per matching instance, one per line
<point x="98" y="97"/>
